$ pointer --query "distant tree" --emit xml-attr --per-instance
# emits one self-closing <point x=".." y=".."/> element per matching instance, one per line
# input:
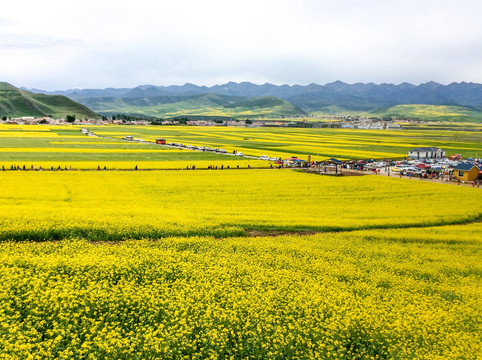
<point x="104" y="118"/>
<point x="43" y="121"/>
<point x="248" y="121"/>
<point x="113" y="117"/>
<point x="50" y="116"/>
<point x="4" y="118"/>
<point x="70" y="118"/>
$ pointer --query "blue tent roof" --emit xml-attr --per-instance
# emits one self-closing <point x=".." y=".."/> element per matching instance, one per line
<point x="336" y="161"/>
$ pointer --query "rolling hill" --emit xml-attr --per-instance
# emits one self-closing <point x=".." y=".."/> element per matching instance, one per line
<point x="333" y="98"/>
<point x="200" y="105"/>
<point x="431" y="113"/>
<point x="16" y="102"/>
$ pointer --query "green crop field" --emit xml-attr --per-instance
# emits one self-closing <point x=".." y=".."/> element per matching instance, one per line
<point x="319" y="143"/>
<point x="62" y="146"/>
<point x="56" y="144"/>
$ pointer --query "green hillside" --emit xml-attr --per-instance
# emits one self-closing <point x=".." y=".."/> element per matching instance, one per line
<point x="15" y="102"/>
<point x="432" y="113"/>
<point x="209" y="105"/>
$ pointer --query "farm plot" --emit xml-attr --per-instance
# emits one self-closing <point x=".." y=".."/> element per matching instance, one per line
<point x="164" y="264"/>
<point x="372" y="294"/>
<point x="65" y="147"/>
<point x="319" y="143"/>
<point x="116" y="205"/>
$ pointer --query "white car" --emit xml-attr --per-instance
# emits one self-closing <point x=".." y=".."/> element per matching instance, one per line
<point x="222" y="151"/>
<point x="264" y="157"/>
<point x="239" y="154"/>
<point x="273" y="159"/>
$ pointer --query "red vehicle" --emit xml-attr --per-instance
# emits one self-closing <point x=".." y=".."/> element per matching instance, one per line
<point x="423" y="166"/>
<point x="161" y="141"/>
<point x="455" y="157"/>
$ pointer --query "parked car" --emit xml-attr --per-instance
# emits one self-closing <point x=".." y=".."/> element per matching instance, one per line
<point x="264" y="157"/>
<point x="239" y="154"/>
<point x="273" y="159"/>
<point x="222" y="151"/>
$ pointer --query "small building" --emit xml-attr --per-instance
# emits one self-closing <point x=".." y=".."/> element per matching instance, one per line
<point x="466" y="171"/>
<point x="426" y="153"/>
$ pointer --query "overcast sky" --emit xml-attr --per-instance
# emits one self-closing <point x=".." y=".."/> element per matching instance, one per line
<point x="53" y="44"/>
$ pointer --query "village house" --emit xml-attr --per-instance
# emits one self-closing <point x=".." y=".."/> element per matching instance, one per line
<point x="466" y="171"/>
<point x="421" y="153"/>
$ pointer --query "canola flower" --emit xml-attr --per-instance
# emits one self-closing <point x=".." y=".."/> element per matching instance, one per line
<point x="371" y="294"/>
<point x="394" y="289"/>
<point x="116" y="205"/>
<point x="325" y="143"/>
<point x="273" y="142"/>
<point x="227" y="163"/>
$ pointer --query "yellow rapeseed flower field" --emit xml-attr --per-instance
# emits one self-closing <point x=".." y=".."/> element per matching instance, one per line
<point x="178" y="265"/>
<point x="371" y="294"/>
<point x="115" y="205"/>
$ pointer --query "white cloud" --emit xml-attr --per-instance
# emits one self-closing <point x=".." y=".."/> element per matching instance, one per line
<point x="56" y="44"/>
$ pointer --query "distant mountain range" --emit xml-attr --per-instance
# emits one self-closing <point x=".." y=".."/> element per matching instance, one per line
<point x="295" y="100"/>
<point x="15" y="103"/>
